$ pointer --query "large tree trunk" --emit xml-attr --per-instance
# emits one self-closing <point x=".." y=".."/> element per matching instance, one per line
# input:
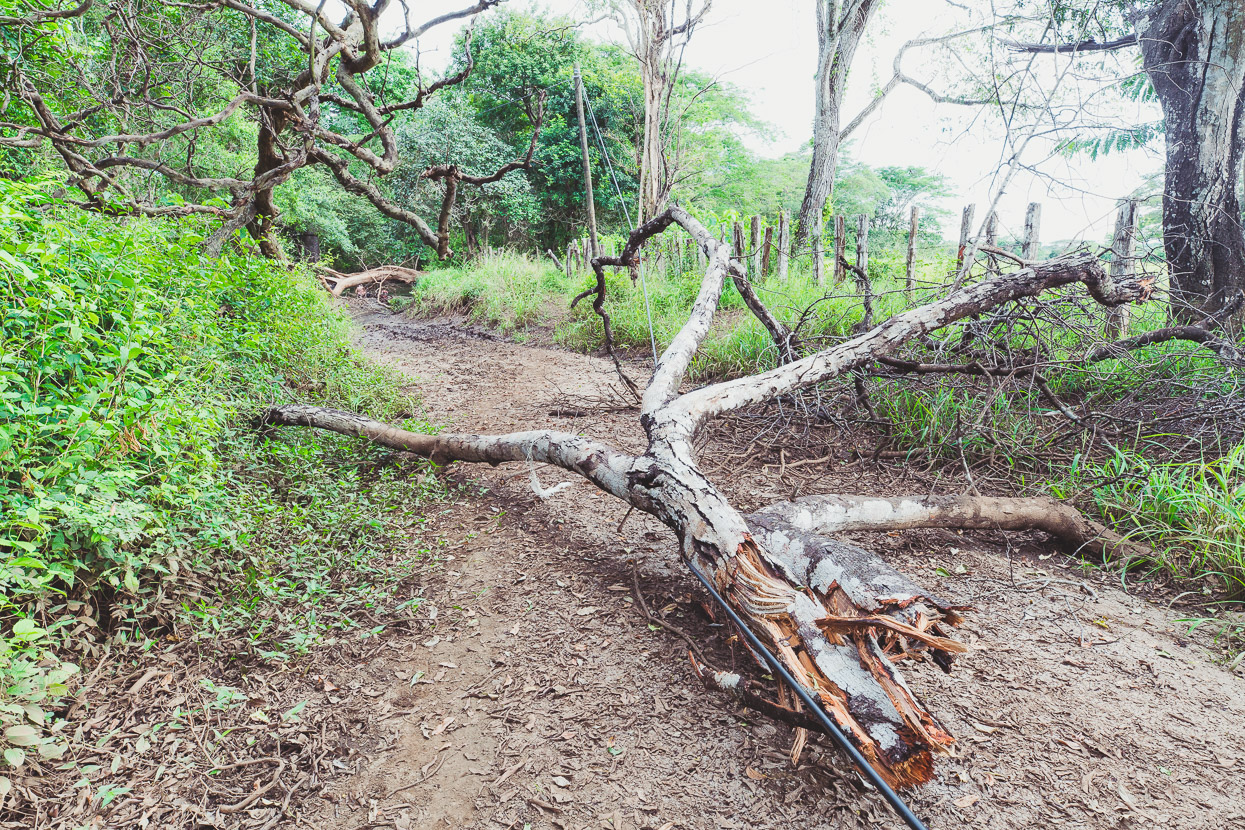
<point x="835" y="615"/>
<point x="263" y="225"/>
<point x="1194" y="54"/>
<point x="837" y="40"/>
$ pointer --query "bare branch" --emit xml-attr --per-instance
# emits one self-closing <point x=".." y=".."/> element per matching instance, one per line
<point x="1090" y="45"/>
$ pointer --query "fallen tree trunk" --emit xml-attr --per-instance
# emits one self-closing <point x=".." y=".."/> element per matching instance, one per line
<point x="835" y="615"/>
<point x="341" y="281"/>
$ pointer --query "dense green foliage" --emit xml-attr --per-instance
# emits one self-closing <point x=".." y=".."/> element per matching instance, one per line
<point x="130" y="366"/>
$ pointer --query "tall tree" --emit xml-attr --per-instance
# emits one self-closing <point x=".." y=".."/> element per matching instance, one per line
<point x="840" y="28"/>
<point x="657" y="32"/>
<point x="1193" y="52"/>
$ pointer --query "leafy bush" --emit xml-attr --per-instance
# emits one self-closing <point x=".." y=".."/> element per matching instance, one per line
<point x="130" y="365"/>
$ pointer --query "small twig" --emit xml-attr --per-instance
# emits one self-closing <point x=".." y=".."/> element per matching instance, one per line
<point x="673" y="629"/>
<point x="255" y="796"/>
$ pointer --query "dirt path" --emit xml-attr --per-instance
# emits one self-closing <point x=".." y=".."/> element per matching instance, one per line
<point x="535" y="693"/>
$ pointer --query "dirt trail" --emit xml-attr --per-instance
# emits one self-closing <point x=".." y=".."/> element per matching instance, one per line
<point x="537" y="695"/>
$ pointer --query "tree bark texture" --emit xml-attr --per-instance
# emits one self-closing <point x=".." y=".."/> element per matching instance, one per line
<point x="1194" y="54"/>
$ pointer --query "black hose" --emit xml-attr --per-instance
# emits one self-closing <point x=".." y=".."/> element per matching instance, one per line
<point x="832" y="729"/>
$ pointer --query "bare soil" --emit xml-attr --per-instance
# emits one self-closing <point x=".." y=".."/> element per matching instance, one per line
<point x="555" y="703"/>
<point x="530" y="690"/>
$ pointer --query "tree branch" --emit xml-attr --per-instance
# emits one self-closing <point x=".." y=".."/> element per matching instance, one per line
<point x="1090" y="45"/>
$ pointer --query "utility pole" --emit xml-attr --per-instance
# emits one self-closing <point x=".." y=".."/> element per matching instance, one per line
<point x="583" y="146"/>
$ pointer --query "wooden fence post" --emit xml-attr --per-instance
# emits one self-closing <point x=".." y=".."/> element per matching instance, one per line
<point x="819" y="243"/>
<point x="992" y="241"/>
<point x="784" y="244"/>
<point x="966" y="233"/>
<point x="910" y="263"/>
<point x="1122" y="251"/>
<point x="767" y="245"/>
<point x="737" y="244"/>
<point x="862" y="245"/>
<point x="840" y="248"/>
<point x="570" y="255"/>
<point x="1033" y="228"/>
<point x="754" y="252"/>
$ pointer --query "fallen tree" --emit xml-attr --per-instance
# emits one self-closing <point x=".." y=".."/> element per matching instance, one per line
<point x="373" y="276"/>
<point x="837" y="616"/>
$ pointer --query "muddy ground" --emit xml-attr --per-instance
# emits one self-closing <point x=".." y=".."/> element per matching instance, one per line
<point x="531" y="690"/>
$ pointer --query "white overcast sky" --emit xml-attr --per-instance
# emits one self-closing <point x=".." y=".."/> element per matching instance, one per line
<point x="769" y="49"/>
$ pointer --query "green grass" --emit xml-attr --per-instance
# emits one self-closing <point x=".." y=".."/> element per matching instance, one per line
<point x="135" y="491"/>
<point x="505" y="290"/>
<point x="1191" y="512"/>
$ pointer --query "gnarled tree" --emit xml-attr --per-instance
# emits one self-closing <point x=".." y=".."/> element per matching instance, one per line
<point x="836" y="615"/>
<point x="127" y="94"/>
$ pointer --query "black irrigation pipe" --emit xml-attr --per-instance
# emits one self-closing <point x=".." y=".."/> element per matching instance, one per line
<point x="832" y="729"/>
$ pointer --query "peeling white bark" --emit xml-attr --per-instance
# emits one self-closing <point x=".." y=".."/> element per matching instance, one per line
<point x="834" y="614"/>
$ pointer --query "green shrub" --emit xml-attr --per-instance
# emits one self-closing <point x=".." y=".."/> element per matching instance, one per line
<point x="130" y="367"/>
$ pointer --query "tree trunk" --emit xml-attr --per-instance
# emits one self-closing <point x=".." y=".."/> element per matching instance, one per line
<point x="838" y="37"/>
<point x="310" y="242"/>
<point x="263" y="226"/>
<point x="1194" y="54"/>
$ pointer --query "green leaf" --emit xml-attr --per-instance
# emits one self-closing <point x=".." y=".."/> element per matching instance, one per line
<point x="22" y="735"/>
<point x="14" y="757"/>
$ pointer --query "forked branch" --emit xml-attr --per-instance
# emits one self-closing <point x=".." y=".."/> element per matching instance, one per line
<point x="837" y="616"/>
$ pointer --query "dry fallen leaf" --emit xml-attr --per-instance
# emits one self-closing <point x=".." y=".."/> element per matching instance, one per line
<point x="981" y="727"/>
<point x="753" y="774"/>
<point x="966" y="801"/>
